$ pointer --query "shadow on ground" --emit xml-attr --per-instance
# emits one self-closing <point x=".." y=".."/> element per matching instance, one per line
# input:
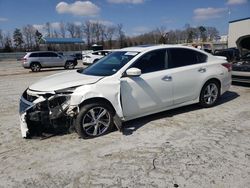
<point x="131" y="126"/>
<point x="241" y="84"/>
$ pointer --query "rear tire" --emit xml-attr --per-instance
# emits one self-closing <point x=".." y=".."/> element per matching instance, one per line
<point x="69" y="65"/>
<point x="94" y="120"/>
<point x="35" y="67"/>
<point x="209" y="94"/>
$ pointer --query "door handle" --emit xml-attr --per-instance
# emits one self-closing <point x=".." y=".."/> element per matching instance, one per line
<point x="167" y="78"/>
<point x="201" y="70"/>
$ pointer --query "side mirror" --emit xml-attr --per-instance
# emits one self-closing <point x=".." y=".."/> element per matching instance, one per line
<point x="133" y="72"/>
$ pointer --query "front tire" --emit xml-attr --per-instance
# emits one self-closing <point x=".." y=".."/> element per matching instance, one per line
<point x="94" y="120"/>
<point x="209" y="94"/>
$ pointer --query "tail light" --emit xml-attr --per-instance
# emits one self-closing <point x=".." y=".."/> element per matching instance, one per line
<point x="228" y="66"/>
<point x="24" y="60"/>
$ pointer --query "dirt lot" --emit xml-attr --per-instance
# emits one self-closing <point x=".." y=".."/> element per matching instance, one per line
<point x="186" y="147"/>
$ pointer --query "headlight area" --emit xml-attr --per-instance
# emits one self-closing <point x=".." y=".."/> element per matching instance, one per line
<point x="45" y="113"/>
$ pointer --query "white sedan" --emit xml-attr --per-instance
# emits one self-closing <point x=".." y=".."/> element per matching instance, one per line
<point x="126" y="84"/>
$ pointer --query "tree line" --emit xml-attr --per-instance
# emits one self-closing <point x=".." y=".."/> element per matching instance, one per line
<point x="110" y="36"/>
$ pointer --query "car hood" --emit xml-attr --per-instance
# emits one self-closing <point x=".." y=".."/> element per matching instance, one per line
<point x="64" y="80"/>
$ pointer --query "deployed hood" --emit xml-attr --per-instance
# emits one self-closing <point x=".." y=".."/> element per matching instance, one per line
<point x="64" y="80"/>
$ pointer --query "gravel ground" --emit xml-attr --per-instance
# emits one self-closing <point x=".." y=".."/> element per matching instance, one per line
<point x="185" y="147"/>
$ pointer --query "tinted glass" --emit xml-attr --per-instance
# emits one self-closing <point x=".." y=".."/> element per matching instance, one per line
<point x="34" y="55"/>
<point x="43" y="54"/>
<point x="110" y="64"/>
<point x="51" y="54"/>
<point x="201" y="58"/>
<point x="179" y="57"/>
<point x="152" y="61"/>
<point x="48" y="54"/>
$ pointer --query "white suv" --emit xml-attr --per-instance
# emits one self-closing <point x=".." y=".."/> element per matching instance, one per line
<point x="127" y="84"/>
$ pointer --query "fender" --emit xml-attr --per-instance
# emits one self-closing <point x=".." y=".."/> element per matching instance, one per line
<point x="108" y="88"/>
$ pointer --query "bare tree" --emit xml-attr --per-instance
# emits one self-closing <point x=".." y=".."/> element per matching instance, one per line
<point x="55" y="34"/>
<point x="62" y="30"/>
<point x="7" y="43"/>
<point x="121" y="35"/>
<point x="29" y="34"/>
<point x="109" y="34"/>
<point x="48" y="29"/>
<point x="71" y="28"/>
<point x="212" y="33"/>
<point x="1" y="38"/>
<point x="87" y="32"/>
<point x="96" y="31"/>
<point x="78" y="31"/>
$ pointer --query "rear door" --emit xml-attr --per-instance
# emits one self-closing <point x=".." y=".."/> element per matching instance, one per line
<point x="44" y="59"/>
<point x="188" y="70"/>
<point x="150" y="92"/>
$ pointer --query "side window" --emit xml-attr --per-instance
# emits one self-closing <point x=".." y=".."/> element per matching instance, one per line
<point x="34" y="55"/>
<point x="95" y="53"/>
<point x="179" y="57"/>
<point x="43" y="54"/>
<point x="201" y="58"/>
<point x="51" y="54"/>
<point x="152" y="61"/>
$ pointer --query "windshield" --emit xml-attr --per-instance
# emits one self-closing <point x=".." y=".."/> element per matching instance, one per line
<point x="110" y="64"/>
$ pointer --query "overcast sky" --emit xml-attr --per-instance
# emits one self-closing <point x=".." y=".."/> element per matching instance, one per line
<point x="137" y="16"/>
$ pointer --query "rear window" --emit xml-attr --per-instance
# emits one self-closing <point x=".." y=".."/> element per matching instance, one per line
<point x="179" y="57"/>
<point x="48" y="54"/>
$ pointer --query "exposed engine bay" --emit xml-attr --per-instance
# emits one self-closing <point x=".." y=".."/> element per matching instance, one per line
<point x="45" y="112"/>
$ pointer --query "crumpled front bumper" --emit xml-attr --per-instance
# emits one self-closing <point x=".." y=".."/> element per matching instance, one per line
<point x="43" y="113"/>
<point x="24" y="105"/>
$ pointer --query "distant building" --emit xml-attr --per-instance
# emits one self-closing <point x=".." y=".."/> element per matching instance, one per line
<point x="239" y="34"/>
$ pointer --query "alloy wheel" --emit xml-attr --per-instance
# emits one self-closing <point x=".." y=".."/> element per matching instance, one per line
<point x="211" y="93"/>
<point x="96" y="121"/>
<point x="69" y="65"/>
<point x="35" y="67"/>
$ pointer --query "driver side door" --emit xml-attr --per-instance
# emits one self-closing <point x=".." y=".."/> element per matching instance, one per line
<point x="150" y="92"/>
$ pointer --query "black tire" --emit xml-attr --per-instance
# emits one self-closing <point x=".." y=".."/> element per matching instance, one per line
<point x="95" y="60"/>
<point x="35" y="67"/>
<point x="94" y="128"/>
<point x="69" y="65"/>
<point x="209" y="94"/>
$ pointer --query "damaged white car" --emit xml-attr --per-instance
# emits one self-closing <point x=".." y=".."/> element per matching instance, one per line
<point x="127" y="84"/>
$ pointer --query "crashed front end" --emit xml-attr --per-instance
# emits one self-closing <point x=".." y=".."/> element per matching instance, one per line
<point x="45" y="112"/>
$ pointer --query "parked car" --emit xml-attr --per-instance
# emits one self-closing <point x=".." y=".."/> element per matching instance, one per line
<point x="46" y="59"/>
<point x="245" y="57"/>
<point x="92" y="57"/>
<point x="78" y="56"/>
<point x="126" y="84"/>
<point x="241" y="69"/>
<point x="231" y="54"/>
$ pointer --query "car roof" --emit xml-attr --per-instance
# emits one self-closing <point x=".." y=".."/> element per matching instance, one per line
<point x="42" y="52"/>
<point x="155" y="47"/>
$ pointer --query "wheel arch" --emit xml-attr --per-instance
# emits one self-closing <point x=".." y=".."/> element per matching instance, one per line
<point x="211" y="80"/>
<point x="32" y="62"/>
<point x="99" y="100"/>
